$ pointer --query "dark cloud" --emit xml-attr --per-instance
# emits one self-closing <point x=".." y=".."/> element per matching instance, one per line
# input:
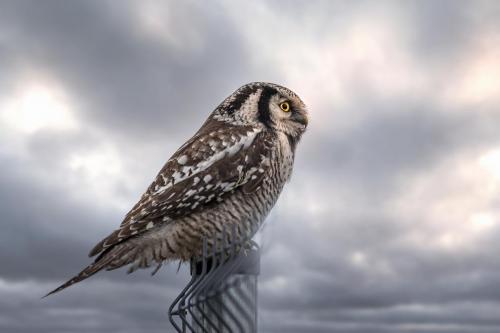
<point x="395" y="139"/>
<point x="144" y="86"/>
<point x="55" y="225"/>
<point x="343" y="267"/>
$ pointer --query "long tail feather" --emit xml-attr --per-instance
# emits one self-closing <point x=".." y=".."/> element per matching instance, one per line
<point x="91" y="269"/>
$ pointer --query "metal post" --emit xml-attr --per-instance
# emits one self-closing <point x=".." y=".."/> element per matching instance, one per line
<point x="222" y="293"/>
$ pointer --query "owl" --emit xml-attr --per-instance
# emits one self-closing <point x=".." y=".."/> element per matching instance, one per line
<point x="228" y="175"/>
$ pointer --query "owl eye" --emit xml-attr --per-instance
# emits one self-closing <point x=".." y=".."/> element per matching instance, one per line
<point x="285" y="106"/>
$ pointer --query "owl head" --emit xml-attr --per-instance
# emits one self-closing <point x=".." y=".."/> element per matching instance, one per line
<point x="266" y="105"/>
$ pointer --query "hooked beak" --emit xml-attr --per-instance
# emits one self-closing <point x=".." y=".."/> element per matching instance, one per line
<point x="301" y="118"/>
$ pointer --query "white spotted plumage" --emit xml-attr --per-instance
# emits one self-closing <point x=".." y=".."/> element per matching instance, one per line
<point x="230" y="172"/>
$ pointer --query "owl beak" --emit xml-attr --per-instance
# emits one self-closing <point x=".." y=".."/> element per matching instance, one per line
<point x="301" y="118"/>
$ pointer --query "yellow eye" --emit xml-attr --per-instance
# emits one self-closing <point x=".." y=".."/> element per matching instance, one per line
<point x="285" y="106"/>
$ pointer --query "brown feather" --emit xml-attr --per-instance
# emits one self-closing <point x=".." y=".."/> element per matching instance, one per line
<point x="100" y="263"/>
<point x="180" y="199"/>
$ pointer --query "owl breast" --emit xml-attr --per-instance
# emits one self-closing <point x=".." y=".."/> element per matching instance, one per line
<point x="244" y="210"/>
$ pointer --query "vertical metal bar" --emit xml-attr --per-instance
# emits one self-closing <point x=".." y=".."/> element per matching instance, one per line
<point x="222" y="293"/>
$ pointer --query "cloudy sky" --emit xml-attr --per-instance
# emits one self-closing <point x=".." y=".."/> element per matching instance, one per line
<point x="391" y="220"/>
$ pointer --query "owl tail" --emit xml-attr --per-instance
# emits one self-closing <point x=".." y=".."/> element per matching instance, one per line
<point x="101" y="262"/>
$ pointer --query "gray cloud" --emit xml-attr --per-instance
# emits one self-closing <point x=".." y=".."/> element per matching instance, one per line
<point x="337" y="257"/>
<point x="142" y="84"/>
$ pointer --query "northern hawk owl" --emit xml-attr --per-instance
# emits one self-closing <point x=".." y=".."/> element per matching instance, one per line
<point x="229" y="174"/>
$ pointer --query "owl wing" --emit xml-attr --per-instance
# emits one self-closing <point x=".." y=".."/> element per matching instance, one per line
<point x="215" y="161"/>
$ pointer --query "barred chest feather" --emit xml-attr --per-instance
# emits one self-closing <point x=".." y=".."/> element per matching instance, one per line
<point x="245" y="210"/>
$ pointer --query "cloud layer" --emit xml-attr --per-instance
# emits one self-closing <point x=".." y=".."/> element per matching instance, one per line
<point x="390" y="223"/>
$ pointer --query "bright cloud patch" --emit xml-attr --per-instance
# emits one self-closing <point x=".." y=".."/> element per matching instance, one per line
<point x="452" y="206"/>
<point x="37" y="106"/>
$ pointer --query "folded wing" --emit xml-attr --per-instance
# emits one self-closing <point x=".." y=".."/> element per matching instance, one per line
<point x="219" y="159"/>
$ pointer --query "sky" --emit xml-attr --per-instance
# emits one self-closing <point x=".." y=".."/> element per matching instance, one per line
<point x="390" y="222"/>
